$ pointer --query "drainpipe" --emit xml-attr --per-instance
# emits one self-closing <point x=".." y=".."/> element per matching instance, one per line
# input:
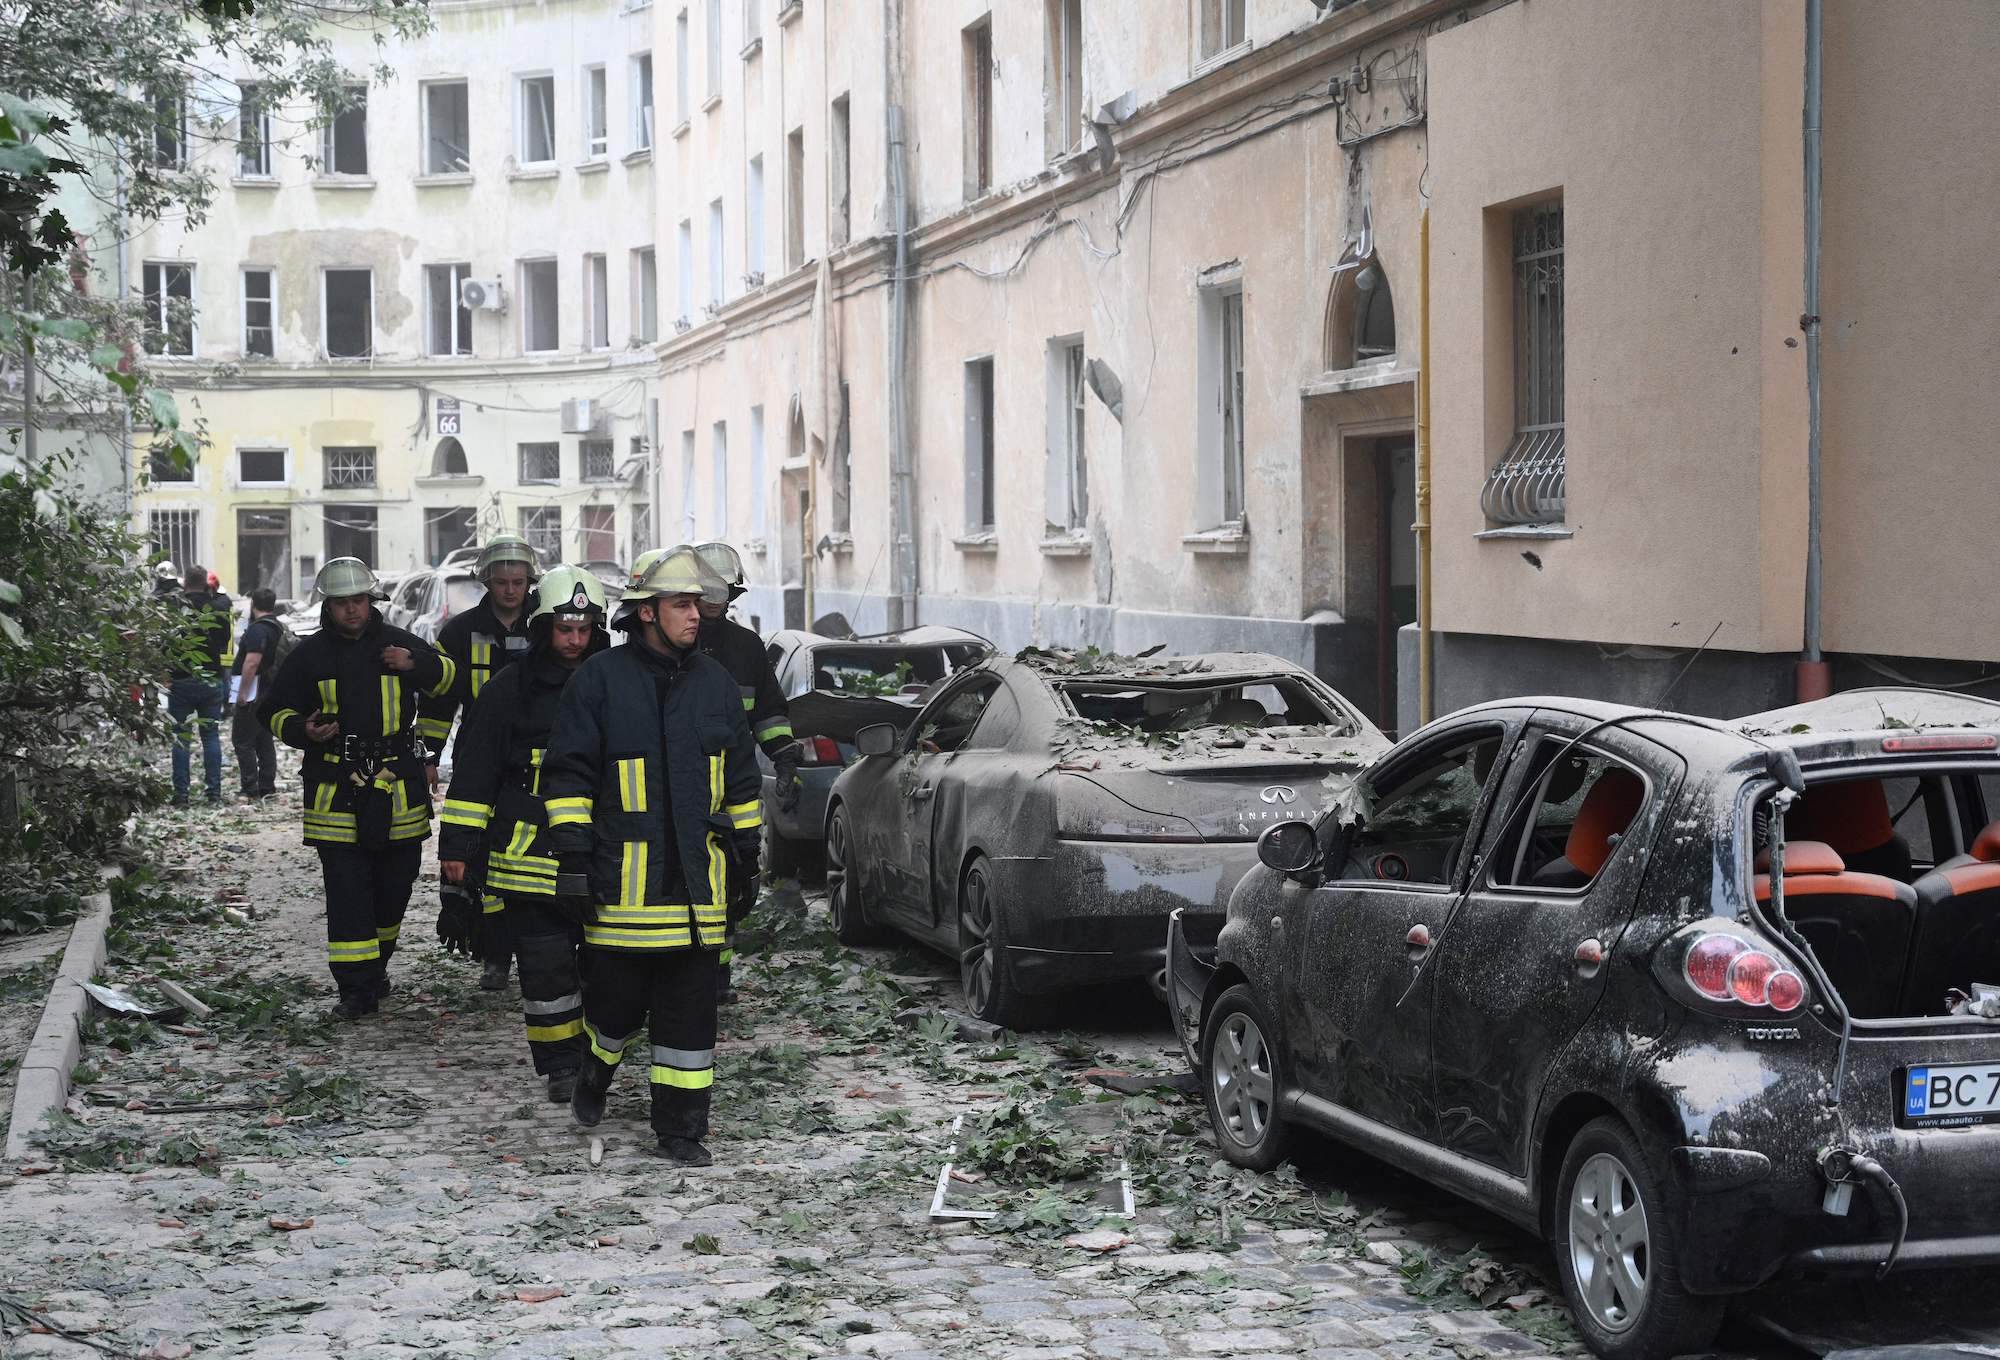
<point x="902" y="546"/>
<point x="1815" y="678"/>
<point x="1423" y="525"/>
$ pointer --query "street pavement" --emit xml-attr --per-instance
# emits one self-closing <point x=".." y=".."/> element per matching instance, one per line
<point x="401" y="1186"/>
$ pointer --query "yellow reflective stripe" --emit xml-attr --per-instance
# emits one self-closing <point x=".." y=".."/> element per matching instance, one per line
<point x="607" y="937"/>
<point x="462" y="812"/>
<point x="549" y="1034"/>
<point x="489" y="905"/>
<point x="333" y="837"/>
<point x="774" y="731"/>
<point x="280" y="718"/>
<point x="639" y="914"/>
<point x="632" y="784"/>
<point x="535" y="761"/>
<point x="746" y="816"/>
<point x="523" y="837"/>
<point x="329" y="697"/>
<point x="726" y="957"/>
<point x="686" y="1081"/>
<point x="443" y="686"/>
<point x="569" y="811"/>
<point x="709" y="913"/>
<point x="353" y="951"/>
<point x="388" y="932"/>
<point x="714" y="783"/>
<point x="529" y="887"/>
<point x="607" y="1050"/>
<point x="439" y="728"/>
<point x="392" y="705"/>
<point x="632" y="874"/>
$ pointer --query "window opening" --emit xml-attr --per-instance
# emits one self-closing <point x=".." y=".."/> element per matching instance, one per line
<point x="978" y="115"/>
<point x="260" y="467"/>
<point x="540" y="312"/>
<point x="1063" y="77"/>
<point x="642" y="101"/>
<point x="597" y="298"/>
<point x="541" y="525"/>
<point x="837" y="173"/>
<point x="348" y="466"/>
<point x="1584" y="802"/>
<point x="449" y="330"/>
<point x="350" y="313"/>
<point x="253" y="133"/>
<point x="447" y="128"/>
<point x="259" y="335"/>
<point x="538" y="119"/>
<point x="349" y="531"/>
<point x="647" y="293"/>
<point x="979" y="482"/>
<point x="597" y="534"/>
<point x="173" y="535"/>
<point x="841" y="481"/>
<point x="596" y="132"/>
<point x="447" y="530"/>
<point x="344" y="138"/>
<point x="1530" y="483"/>
<point x="169" y="292"/>
<point x="1222" y="26"/>
<point x="448" y="460"/>
<point x="795" y="198"/>
<point x="594" y="455"/>
<point x="541" y="462"/>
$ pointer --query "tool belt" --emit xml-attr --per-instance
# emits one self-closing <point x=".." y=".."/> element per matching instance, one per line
<point x="362" y="757"/>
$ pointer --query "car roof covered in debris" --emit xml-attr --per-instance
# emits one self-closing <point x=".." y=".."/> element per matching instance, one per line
<point x="923" y="635"/>
<point x="1153" y="668"/>
<point x="1882" y="708"/>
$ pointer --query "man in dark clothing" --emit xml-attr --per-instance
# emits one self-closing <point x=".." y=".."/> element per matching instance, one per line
<point x="650" y="778"/>
<point x="347" y="697"/>
<point x="494" y="830"/>
<point x="742" y="654"/>
<point x="480" y="642"/>
<point x="196" y="690"/>
<point x="256" y="749"/>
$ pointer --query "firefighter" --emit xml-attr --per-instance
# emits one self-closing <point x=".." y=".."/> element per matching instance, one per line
<point x="649" y="781"/>
<point x="493" y="830"/>
<point x="347" y="697"/>
<point x="742" y="654"/>
<point x="480" y="642"/>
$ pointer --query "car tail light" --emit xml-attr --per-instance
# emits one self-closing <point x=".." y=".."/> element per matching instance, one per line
<point x="1940" y="742"/>
<point x="819" y="751"/>
<point x="1722" y="966"/>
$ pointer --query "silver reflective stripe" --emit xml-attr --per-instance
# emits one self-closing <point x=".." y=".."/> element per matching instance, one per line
<point x="687" y="1059"/>
<point x="556" y="1007"/>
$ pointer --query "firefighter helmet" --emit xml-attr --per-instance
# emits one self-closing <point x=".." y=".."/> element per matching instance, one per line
<point x="167" y="573"/>
<point x="569" y="590"/>
<point x="503" y="548"/>
<point x="628" y="608"/>
<point x="679" y="571"/>
<point x="345" y="576"/>
<point x="725" y="562"/>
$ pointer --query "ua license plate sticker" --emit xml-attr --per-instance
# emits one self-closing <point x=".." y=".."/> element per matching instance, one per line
<point x="1950" y="1097"/>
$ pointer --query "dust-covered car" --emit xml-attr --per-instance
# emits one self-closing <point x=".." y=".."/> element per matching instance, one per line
<point x="1700" y="1002"/>
<point x="833" y="687"/>
<point x="1040" y="815"/>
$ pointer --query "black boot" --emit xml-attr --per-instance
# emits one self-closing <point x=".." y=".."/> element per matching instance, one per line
<point x="725" y="991"/>
<point x="586" y="1102"/>
<point x="686" y="1151"/>
<point x="562" y="1086"/>
<point x="354" y="1005"/>
<point x="381" y="988"/>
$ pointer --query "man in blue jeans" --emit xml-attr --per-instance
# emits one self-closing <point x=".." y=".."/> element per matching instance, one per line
<point x="196" y="690"/>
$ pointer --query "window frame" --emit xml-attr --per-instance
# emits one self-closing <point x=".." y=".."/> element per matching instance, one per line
<point x="248" y="104"/>
<point x="1528" y="741"/>
<point x="840" y="171"/>
<point x="522" y="122"/>
<point x="425" y="89"/>
<point x="1221" y="389"/>
<point x="795" y="199"/>
<point x="236" y="465"/>
<point x="374" y="531"/>
<point x="521" y="447"/>
<point x="1528" y="484"/>
<point x="185" y="547"/>
<point x="459" y="272"/>
<point x="583" y="452"/>
<point x="169" y="124"/>
<point x="718" y="253"/>
<point x="683" y="69"/>
<point x="645" y="317"/>
<point x="642" y="97"/>
<point x="753" y="219"/>
<point x="586" y="532"/>
<point x="981" y="463"/>
<point x="530" y="315"/>
<point x="1225" y="46"/>
<point x="329" y="140"/>
<point x="1063" y="78"/>
<point x="976" y="107"/>
<point x="327" y="455"/>
<point x="1068" y="468"/>
<point x="325" y="333"/>
<point x="158" y="309"/>
<point x="596" y="301"/>
<point x="539" y="538"/>
<point x="270" y="273"/>
<point x="684" y="267"/>
<point x="594" y="102"/>
<point x="712" y="22"/>
<point x="718" y="491"/>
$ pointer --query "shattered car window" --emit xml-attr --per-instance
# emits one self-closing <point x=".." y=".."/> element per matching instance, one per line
<point x="1416" y="832"/>
<point x="1153" y="710"/>
<point x="879" y="672"/>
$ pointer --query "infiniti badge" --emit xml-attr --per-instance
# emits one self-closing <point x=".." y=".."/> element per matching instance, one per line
<point x="1279" y="793"/>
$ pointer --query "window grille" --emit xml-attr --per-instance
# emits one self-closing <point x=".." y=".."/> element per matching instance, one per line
<point x="1529" y="484"/>
<point x="541" y="462"/>
<point x="173" y="535"/>
<point x="597" y="465"/>
<point x="349" y="467"/>
<point x="541" y="525"/>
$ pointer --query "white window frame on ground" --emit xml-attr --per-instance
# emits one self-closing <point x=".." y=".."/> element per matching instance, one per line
<point x="1068" y="505"/>
<point x="458" y="345"/>
<point x="531" y="311"/>
<point x="269" y="303"/>
<point x="596" y="111"/>
<point x="541" y="525"/>
<point x="349" y="467"/>
<point x="639" y="81"/>
<point x="982" y="498"/>
<point x="596" y="302"/>
<point x="1220" y="27"/>
<point x="325" y="334"/>
<point x="157" y="279"/>
<point x="457" y="162"/>
<point x="535" y="101"/>
<point x="1063" y="77"/>
<point x="645" y="295"/>
<point x="253" y="133"/>
<point x="539" y="462"/>
<point x="284" y="477"/>
<point x="596" y="460"/>
<point x="175" y="533"/>
<point x="1220" y="420"/>
<point x="718" y="490"/>
<point x="330" y="166"/>
<point x="1529" y="486"/>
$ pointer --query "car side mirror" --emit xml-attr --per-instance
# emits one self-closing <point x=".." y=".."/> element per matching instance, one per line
<point x="1289" y="847"/>
<point x="877" y="739"/>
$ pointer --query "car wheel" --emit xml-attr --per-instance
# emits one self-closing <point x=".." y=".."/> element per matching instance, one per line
<point x="1614" y="1243"/>
<point x="843" y="886"/>
<point x="984" y="971"/>
<point x="1241" y="1082"/>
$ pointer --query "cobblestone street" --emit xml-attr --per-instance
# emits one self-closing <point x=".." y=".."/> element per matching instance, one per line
<point x="400" y="1185"/>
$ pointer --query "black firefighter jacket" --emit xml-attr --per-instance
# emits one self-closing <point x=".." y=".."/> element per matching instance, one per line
<point x="650" y="774"/>
<point x="493" y="817"/>
<point x="742" y="654"/>
<point x="376" y="707"/>
<point x="479" y="645"/>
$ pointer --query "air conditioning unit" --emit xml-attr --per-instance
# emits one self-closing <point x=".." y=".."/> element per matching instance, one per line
<point x="582" y="415"/>
<point x="482" y="295"/>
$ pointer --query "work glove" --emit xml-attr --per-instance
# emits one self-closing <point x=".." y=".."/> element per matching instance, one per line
<point x="573" y="887"/>
<point x="458" y="919"/>
<point x="788" y="783"/>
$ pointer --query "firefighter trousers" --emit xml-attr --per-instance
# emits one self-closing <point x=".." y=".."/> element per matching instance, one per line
<point x="367" y="892"/>
<point x="742" y="891"/>
<point x="551" y="987"/>
<point x="498" y="928"/>
<point x="664" y="1000"/>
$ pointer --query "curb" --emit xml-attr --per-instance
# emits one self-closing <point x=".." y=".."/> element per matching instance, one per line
<point x="42" y="1084"/>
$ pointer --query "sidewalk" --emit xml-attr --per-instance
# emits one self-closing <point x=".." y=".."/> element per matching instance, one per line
<point x="401" y="1186"/>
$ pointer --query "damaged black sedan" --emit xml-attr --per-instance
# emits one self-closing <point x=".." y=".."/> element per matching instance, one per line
<point x="1040" y="816"/>
<point x="1701" y="1003"/>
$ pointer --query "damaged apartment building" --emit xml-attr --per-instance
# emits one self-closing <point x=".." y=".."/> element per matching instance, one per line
<point x="1105" y="322"/>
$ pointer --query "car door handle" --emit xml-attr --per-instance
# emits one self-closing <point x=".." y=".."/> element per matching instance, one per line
<point x="1419" y="941"/>
<point x="1589" y="957"/>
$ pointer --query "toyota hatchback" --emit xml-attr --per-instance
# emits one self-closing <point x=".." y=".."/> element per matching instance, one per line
<point x="1702" y="1003"/>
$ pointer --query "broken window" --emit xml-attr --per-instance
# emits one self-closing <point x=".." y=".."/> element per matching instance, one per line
<point x="1278" y="701"/>
<point x="169" y="290"/>
<point x="1583" y="802"/>
<point x="541" y="462"/>
<point x="597" y="533"/>
<point x="170" y="135"/>
<point x="1529" y="485"/>
<point x="642" y="531"/>
<point x="840" y="480"/>
<point x="646" y="294"/>
<point x="349" y="312"/>
<point x="449" y="331"/>
<point x="1063" y="77"/>
<point x="1221" y="25"/>
<point x="261" y="467"/>
<point x="163" y="466"/>
<point x="253" y="133"/>
<point x="1068" y="473"/>
<point x="642" y="101"/>
<point x="795" y="198"/>
<point x="979" y="487"/>
<point x="447" y="128"/>
<point x="541" y="525"/>
<point x="594" y="457"/>
<point x="596" y="114"/>
<point x="540" y="309"/>
<point x="259" y="309"/>
<point x="446" y="530"/>
<point x="173" y="536"/>
<point x="263" y="548"/>
<point x="343" y="146"/>
<point x="1374" y="314"/>
<point x="837" y="174"/>
<point x="753" y="222"/>
<point x="878" y="669"/>
<point x="946" y="724"/>
<point x="537" y="120"/>
<point x="978" y="112"/>
<point x="1418" y="822"/>
<point x="347" y="466"/>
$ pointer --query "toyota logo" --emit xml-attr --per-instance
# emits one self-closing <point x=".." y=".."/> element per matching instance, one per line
<point x="1280" y="793"/>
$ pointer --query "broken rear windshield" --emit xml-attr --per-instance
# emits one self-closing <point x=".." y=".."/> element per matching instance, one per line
<point x="881" y="672"/>
<point x="1274" y="701"/>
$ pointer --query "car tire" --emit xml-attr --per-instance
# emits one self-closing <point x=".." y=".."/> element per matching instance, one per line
<point x="1241" y="1082"/>
<point x="1614" y="1244"/>
<point x="985" y="973"/>
<point x="843" y="886"/>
